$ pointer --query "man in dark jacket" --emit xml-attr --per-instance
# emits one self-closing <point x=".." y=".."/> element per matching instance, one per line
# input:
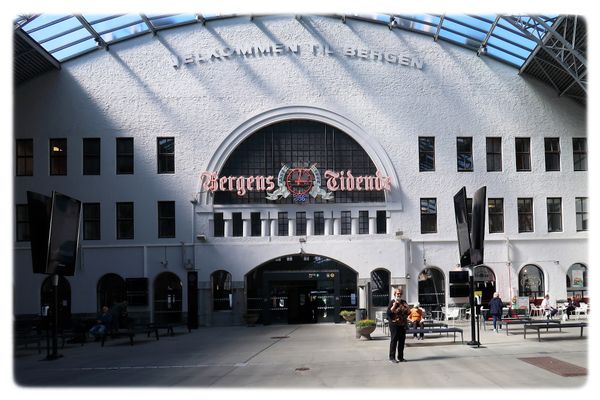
<point x="397" y="314"/>
<point x="495" y="306"/>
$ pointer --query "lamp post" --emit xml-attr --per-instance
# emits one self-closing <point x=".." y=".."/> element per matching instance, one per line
<point x="54" y="355"/>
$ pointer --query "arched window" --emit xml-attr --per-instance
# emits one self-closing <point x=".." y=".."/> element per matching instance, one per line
<point x="484" y="281"/>
<point x="221" y="290"/>
<point x="380" y="288"/>
<point x="432" y="289"/>
<point x="64" y="298"/>
<point x="577" y="282"/>
<point x="167" y="298"/>
<point x="302" y="143"/>
<point x="531" y="281"/>
<point x="110" y="290"/>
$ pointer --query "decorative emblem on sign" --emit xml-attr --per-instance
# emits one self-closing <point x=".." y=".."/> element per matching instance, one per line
<point x="300" y="183"/>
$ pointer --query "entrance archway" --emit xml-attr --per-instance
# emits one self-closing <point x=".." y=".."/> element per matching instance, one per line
<point x="432" y="290"/>
<point x="531" y="282"/>
<point x="301" y="288"/>
<point x="110" y="290"/>
<point x="167" y="298"/>
<point x="484" y="281"/>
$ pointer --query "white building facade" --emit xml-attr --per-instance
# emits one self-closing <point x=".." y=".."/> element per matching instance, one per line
<point x="431" y="116"/>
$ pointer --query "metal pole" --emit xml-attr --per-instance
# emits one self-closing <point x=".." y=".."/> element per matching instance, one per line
<point x="474" y="341"/>
<point x="55" y="354"/>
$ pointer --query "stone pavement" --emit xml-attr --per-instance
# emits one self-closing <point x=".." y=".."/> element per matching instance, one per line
<point x="306" y="356"/>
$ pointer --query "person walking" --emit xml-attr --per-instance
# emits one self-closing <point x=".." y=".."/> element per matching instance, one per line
<point x="397" y="313"/>
<point x="495" y="307"/>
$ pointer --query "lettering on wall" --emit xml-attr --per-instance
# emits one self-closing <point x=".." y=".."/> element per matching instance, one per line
<point x="298" y="182"/>
<point x="295" y="50"/>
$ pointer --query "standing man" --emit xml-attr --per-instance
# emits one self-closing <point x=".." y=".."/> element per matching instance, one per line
<point x="397" y="313"/>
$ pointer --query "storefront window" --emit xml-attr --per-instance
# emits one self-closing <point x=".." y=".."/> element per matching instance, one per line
<point x="432" y="290"/>
<point x="221" y="288"/>
<point x="577" y="282"/>
<point x="531" y="281"/>
<point x="380" y="288"/>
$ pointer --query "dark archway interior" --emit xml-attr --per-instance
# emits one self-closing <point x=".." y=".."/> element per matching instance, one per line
<point x="301" y="288"/>
<point x="111" y="290"/>
<point x="168" y="296"/>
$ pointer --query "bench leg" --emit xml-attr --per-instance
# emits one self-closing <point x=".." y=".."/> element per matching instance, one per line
<point x="131" y="339"/>
<point x="539" y="338"/>
<point x="156" y="333"/>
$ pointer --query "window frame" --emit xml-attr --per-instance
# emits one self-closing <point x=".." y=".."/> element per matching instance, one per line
<point x="283" y="225"/>
<point x="345" y="222"/>
<point x="55" y="158"/>
<point x="523" y="155"/>
<point x="24" y="160"/>
<point x="580" y="153"/>
<point x="300" y="223"/>
<point x="163" y="158"/>
<point x="125" y="156"/>
<point x="468" y="154"/>
<point x="363" y="222"/>
<point x="87" y="220"/>
<point x="496" y="214"/>
<point x="381" y="222"/>
<point x="554" y="214"/>
<point x="121" y="219"/>
<point x="255" y="226"/>
<point x="427" y="216"/>
<point x="583" y="213"/>
<point x="162" y="218"/>
<point x="319" y="223"/>
<point x="22" y="233"/>
<point x="493" y="154"/>
<point x="88" y="158"/>
<point x="552" y="154"/>
<point x="526" y="213"/>
<point x="422" y="141"/>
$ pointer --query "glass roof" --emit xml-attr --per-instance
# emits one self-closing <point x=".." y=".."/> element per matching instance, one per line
<point x="69" y="36"/>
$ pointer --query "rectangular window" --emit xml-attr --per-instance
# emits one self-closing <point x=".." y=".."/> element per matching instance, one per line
<point x="300" y="223"/>
<point x="319" y="223"/>
<point x="525" y="212"/>
<point x="523" y="153"/>
<point x="255" y="224"/>
<point x="91" y="221"/>
<point x="493" y="153"/>
<point x="24" y="157"/>
<point x="237" y="224"/>
<point x="58" y="156"/>
<point x="381" y="221"/>
<point x="346" y="223"/>
<point x="581" y="213"/>
<point x="496" y="215"/>
<point x="552" y="149"/>
<point x="22" y="223"/>
<point x="124" y="156"/>
<point x="580" y="154"/>
<point x="91" y="156"/>
<point x="125" y="220"/>
<point x="283" y="224"/>
<point x="166" y="155"/>
<point x="166" y="219"/>
<point x="218" y="225"/>
<point x="363" y="222"/>
<point x="464" y="154"/>
<point x="426" y="153"/>
<point x="428" y="215"/>
<point x="554" y="209"/>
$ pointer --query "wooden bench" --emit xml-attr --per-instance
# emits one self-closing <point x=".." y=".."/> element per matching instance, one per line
<point x="504" y="320"/>
<point x="528" y="322"/>
<point x="130" y="332"/>
<point x="169" y="327"/>
<point x="436" y="330"/>
<point x="560" y="326"/>
<point x="26" y="333"/>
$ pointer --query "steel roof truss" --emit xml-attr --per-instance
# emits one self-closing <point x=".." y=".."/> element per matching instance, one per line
<point x="93" y="32"/>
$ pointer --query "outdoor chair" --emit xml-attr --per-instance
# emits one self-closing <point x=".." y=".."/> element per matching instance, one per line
<point x="535" y="310"/>
<point x="581" y="310"/>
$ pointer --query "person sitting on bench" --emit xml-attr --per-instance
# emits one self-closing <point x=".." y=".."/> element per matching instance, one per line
<point x="103" y="321"/>
<point x="416" y="319"/>
<point x="549" y="310"/>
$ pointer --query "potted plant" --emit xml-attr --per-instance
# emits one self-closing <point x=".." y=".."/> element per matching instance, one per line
<point x="349" y="316"/>
<point x="365" y="327"/>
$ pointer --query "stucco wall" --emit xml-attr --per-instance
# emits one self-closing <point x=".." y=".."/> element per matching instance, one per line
<point x="133" y="90"/>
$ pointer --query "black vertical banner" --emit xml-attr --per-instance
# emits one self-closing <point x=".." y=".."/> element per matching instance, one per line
<point x="478" y="227"/>
<point x="192" y="311"/>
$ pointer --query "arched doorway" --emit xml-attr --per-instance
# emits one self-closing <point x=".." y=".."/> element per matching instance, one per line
<point x="380" y="287"/>
<point x="168" y="294"/>
<point x="301" y="288"/>
<point x="531" y="282"/>
<point x="221" y="290"/>
<point x="577" y="282"/>
<point x="110" y="290"/>
<point x="484" y="281"/>
<point x="64" y="299"/>
<point x="432" y="290"/>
